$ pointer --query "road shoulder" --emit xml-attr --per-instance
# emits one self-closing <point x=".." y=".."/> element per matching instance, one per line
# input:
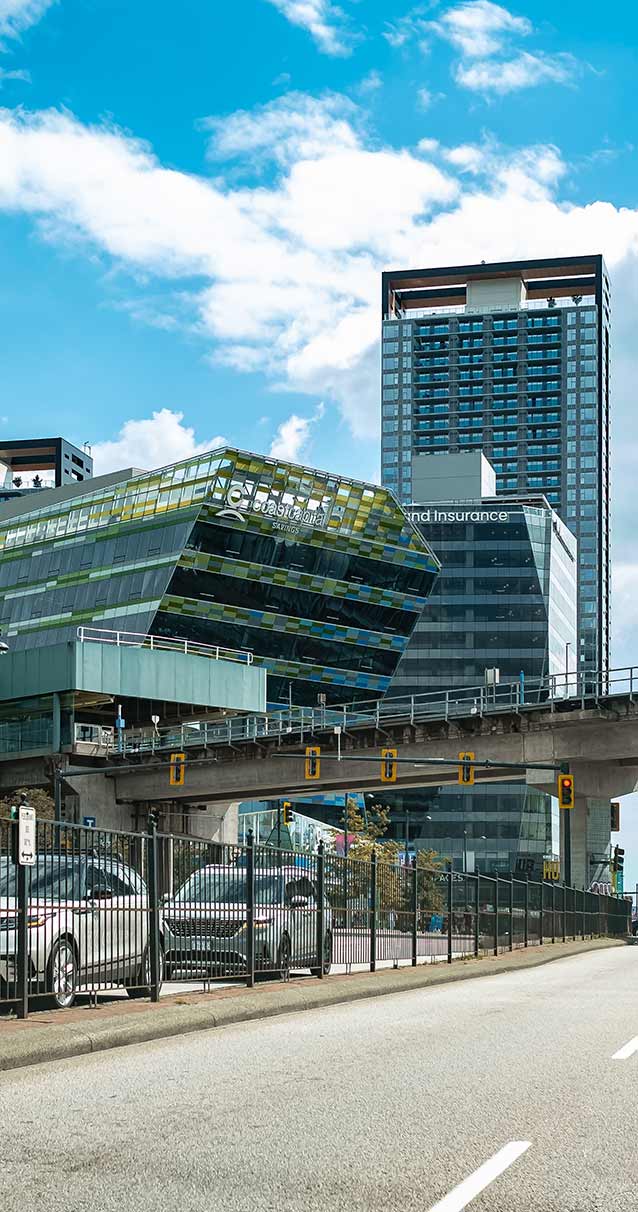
<point x="45" y="1037"/>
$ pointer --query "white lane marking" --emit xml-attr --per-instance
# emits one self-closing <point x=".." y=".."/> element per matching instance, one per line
<point x="627" y="1051"/>
<point x="461" y="1196"/>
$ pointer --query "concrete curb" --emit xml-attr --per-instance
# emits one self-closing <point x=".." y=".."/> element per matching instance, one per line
<point x="38" y="1042"/>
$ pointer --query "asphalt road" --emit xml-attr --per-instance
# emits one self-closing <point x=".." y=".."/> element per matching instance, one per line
<point x="389" y="1104"/>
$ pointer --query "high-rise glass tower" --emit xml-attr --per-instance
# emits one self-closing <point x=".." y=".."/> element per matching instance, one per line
<point x="512" y="359"/>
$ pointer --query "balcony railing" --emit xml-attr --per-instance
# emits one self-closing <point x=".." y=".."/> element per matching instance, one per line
<point x="161" y="643"/>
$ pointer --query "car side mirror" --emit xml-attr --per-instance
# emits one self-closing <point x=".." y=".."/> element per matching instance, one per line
<point x="99" y="893"/>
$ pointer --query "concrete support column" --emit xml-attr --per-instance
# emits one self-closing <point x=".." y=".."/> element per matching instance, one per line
<point x="575" y="819"/>
<point x="589" y="828"/>
<point x="56" y="730"/>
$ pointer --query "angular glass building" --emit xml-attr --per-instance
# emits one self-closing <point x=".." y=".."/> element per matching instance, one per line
<point x="321" y="578"/>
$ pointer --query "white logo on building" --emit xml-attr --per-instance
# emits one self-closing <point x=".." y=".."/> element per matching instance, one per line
<point x="239" y="497"/>
<point x="457" y="515"/>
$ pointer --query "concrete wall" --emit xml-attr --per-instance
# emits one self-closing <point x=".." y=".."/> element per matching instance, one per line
<point x="452" y="477"/>
<point x="144" y="673"/>
<point x="490" y="294"/>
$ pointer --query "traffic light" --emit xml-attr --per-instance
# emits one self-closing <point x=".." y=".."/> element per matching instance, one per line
<point x="466" y="769"/>
<point x="619" y="859"/>
<point x="176" y="770"/>
<point x="286" y="812"/>
<point x="566" y="791"/>
<point x="313" y="763"/>
<point x="388" y="765"/>
<point x="614" y="824"/>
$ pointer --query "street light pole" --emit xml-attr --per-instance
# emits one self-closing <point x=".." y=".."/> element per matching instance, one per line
<point x="465" y="851"/>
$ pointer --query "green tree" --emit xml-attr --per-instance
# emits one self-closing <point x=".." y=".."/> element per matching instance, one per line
<point x="35" y="797"/>
<point x="394" y="883"/>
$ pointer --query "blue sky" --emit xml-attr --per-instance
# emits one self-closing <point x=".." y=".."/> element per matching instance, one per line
<point x="196" y="203"/>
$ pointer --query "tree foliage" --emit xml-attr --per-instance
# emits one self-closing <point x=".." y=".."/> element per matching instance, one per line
<point x="395" y="887"/>
<point x="35" y="797"/>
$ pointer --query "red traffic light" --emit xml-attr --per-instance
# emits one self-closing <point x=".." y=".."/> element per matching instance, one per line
<point x="566" y="791"/>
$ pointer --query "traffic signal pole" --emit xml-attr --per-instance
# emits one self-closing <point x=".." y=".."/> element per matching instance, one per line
<point x="567" y="845"/>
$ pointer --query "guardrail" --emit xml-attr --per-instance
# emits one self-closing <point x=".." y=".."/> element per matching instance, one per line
<point x="556" y="692"/>
<point x="101" y="910"/>
<point x="160" y="643"/>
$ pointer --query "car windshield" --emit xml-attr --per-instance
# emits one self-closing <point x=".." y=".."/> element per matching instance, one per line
<point x="228" y="888"/>
<point x="53" y="878"/>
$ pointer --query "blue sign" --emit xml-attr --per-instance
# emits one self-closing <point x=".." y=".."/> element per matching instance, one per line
<point x="89" y="822"/>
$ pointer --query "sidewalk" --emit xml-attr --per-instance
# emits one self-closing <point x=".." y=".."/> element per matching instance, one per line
<point x="55" y="1035"/>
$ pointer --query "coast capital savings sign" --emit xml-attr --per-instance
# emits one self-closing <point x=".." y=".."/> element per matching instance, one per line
<point x="240" y="500"/>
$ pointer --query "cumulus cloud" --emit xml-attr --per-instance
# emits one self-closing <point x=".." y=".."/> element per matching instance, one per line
<point x="294" y="127"/>
<point x="287" y="275"/>
<point x="323" y="20"/>
<point x="509" y="75"/>
<point x="151" y="442"/>
<point x="485" y="36"/>
<point x="293" y="435"/>
<point x="478" y="28"/>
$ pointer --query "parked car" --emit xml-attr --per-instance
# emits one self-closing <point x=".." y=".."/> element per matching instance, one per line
<point x="204" y="926"/>
<point x="87" y="923"/>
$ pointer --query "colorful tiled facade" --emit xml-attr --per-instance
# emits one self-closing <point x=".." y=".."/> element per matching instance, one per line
<point x="322" y="578"/>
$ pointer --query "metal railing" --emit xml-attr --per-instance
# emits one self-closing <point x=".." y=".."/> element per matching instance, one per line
<point x="161" y="643"/>
<point x="104" y="910"/>
<point x="572" y="691"/>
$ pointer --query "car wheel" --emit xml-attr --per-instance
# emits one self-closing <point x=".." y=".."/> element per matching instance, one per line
<point x="62" y="975"/>
<point x="140" y="986"/>
<point x="327" y="957"/>
<point x="283" y="958"/>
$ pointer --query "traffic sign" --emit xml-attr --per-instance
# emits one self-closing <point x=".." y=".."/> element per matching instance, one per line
<point x="176" y="774"/>
<point x="89" y="822"/>
<point x="312" y="764"/>
<point x="466" y="769"/>
<point x="26" y="836"/>
<point x="388" y="765"/>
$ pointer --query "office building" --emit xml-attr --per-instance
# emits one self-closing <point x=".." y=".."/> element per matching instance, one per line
<point x="506" y="595"/>
<point x="511" y="359"/>
<point x="503" y="607"/>
<point x="31" y="464"/>
<point x="321" y="578"/>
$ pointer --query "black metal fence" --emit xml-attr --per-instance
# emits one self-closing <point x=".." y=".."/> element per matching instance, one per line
<point x="103" y="911"/>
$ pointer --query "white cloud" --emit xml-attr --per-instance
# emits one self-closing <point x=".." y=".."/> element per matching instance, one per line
<point x="18" y="15"/>
<point x="151" y="442"/>
<point x="484" y="35"/>
<point x="478" y="28"/>
<point x="413" y="27"/>
<point x="293" y="435"/>
<point x="294" y="127"/>
<point x="288" y="275"/>
<point x="17" y="74"/>
<point x="370" y="83"/>
<point x="523" y="71"/>
<point x="323" y="20"/>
